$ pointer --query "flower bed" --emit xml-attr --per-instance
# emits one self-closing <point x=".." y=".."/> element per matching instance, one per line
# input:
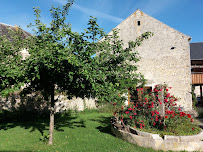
<point x="156" y="111"/>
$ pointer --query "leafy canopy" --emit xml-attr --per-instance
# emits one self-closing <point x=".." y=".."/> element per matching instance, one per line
<point x="11" y="63"/>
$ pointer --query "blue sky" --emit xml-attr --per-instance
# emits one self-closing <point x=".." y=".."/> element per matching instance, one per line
<point x="185" y="16"/>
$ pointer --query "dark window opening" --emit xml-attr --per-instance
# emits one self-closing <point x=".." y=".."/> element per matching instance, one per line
<point x="138" y="23"/>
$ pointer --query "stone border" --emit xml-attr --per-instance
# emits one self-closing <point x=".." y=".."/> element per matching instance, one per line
<point x="148" y="140"/>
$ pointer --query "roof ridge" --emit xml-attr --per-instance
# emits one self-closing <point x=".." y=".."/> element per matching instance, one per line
<point x="189" y="37"/>
<point x="6" y="24"/>
<point x="196" y="42"/>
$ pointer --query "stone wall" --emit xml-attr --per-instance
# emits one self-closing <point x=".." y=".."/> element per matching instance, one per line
<point x="172" y="143"/>
<point x="165" y="57"/>
<point x="36" y="102"/>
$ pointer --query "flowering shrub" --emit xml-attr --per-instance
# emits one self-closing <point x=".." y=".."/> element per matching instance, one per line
<point x="146" y="113"/>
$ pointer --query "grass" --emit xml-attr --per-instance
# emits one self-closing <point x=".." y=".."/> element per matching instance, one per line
<point x="84" y="131"/>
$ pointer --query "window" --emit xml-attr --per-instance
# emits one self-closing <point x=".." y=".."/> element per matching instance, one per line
<point x="138" y="23"/>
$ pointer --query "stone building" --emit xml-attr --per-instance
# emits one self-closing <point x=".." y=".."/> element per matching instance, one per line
<point x="165" y="57"/>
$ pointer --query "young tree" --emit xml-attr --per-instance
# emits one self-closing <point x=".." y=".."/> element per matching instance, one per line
<point x="63" y="60"/>
<point x="58" y="60"/>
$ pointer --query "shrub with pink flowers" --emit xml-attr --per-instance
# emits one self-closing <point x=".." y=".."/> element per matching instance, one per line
<point x="145" y="113"/>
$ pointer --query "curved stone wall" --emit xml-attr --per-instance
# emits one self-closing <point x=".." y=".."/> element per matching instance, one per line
<point x="148" y="140"/>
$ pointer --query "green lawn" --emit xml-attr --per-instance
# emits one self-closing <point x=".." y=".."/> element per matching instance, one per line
<point x="82" y="132"/>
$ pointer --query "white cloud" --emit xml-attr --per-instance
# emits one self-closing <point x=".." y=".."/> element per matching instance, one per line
<point x="154" y="7"/>
<point x="92" y="12"/>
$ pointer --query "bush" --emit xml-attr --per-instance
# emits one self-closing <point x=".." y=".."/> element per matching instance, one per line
<point x="145" y="113"/>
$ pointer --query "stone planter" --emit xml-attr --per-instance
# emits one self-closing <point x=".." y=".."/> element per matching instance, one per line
<point x="149" y="140"/>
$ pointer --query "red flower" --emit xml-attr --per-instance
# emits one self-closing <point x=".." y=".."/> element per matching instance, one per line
<point x="193" y="129"/>
<point x="135" y="114"/>
<point x="167" y="95"/>
<point x="141" y="127"/>
<point x="131" y="117"/>
<point x="166" y="117"/>
<point x="166" y="89"/>
<point x="188" y="115"/>
<point x="152" y="118"/>
<point x="129" y="108"/>
<point x="191" y="120"/>
<point x="156" y="90"/>
<point x="127" y="112"/>
<point x="154" y="124"/>
<point x="165" y="100"/>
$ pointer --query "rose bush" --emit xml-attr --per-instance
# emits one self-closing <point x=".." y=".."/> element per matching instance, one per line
<point x="145" y="114"/>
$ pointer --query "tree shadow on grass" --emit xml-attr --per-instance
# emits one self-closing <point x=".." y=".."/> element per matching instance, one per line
<point x="105" y="125"/>
<point x="35" y="121"/>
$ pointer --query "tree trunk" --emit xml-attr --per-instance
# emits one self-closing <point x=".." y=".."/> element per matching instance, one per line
<point x="51" y="124"/>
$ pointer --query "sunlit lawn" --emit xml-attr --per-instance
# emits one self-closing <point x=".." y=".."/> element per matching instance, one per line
<point x="84" y="132"/>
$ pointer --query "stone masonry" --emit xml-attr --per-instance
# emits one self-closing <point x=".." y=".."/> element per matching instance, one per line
<point x="165" y="57"/>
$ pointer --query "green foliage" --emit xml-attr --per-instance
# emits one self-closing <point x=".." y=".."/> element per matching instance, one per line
<point x="45" y="137"/>
<point x="200" y="112"/>
<point x="114" y="67"/>
<point x="11" y="64"/>
<point x="194" y="98"/>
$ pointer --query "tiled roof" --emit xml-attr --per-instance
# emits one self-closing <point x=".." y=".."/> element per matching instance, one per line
<point x="4" y="30"/>
<point x="196" y="51"/>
